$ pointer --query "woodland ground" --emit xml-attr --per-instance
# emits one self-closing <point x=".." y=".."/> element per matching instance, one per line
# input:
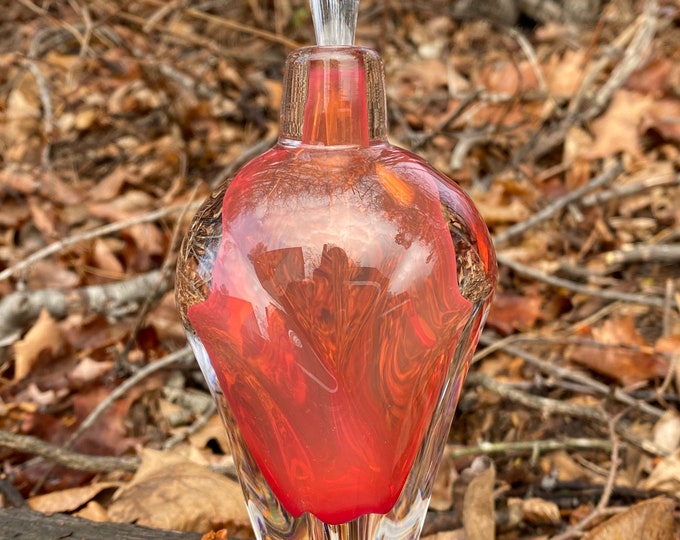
<point x="117" y="116"/>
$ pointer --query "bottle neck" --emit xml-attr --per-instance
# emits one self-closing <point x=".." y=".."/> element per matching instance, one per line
<point x="334" y="96"/>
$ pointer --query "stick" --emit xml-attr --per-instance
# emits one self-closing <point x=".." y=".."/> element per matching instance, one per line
<point x="576" y="530"/>
<point x="607" y="294"/>
<point x="62" y="456"/>
<point x="181" y="355"/>
<point x="89" y="235"/>
<point x="601" y="388"/>
<point x="21" y="308"/>
<point x="557" y="205"/>
<point x="552" y="406"/>
<point x="535" y="447"/>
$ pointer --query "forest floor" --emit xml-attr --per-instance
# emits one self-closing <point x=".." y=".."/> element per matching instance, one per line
<point x="117" y="117"/>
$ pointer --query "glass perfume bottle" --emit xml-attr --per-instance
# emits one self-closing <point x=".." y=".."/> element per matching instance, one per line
<point x="333" y="292"/>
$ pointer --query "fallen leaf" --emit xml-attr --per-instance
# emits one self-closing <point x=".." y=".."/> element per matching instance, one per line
<point x="44" y="335"/>
<point x="88" y="370"/>
<point x="509" y="78"/>
<point x="510" y="312"/>
<point x="663" y="116"/>
<point x="109" y="186"/>
<point x="563" y="75"/>
<point x="537" y="510"/>
<point x="567" y="469"/>
<point x="458" y="534"/>
<point x="665" y="476"/>
<point x="652" y="78"/>
<point x="94" y="512"/>
<point x="105" y="259"/>
<point x="667" y="431"/>
<point x="478" y="503"/>
<point x="442" y="491"/>
<point x="648" y="520"/>
<point x="621" y="353"/>
<point x="68" y="500"/>
<point x="213" y="429"/>
<point x="618" y="129"/>
<point x="47" y="275"/>
<point x="171" y="492"/>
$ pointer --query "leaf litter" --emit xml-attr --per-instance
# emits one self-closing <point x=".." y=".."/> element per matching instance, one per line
<point x="112" y="114"/>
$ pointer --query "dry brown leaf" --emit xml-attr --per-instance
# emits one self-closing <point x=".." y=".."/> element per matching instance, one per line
<point x="478" y="503"/>
<point x="44" y="335"/>
<point x="623" y="353"/>
<point x="648" y="520"/>
<point x="105" y="259"/>
<point x="563" y="75"/>
<point x="652" y="78"/>
<point x="566" y="467"/>
<point x="497" y="209"/>
<point x="42" y="217"/>
<point x="618" y="129"/>
<point x="576" y="144"/>
<point x="458" y="534"/>
<point x="212" y="429"/>
<point x="667" y="431"/>
<point x="47" y="275"/>
<point x="663" y="116"/>
<point x="510" y="312"/>
<point x="68" y="500"/>
<point x="442" y="491"/>
<point x="94" y="512"/>
<point x="88" y="370"/>
<point x="537" y="510"/>
<point x="509" y="78"/>
<point x="147" y="238"/>
<point x="56" y="189"/>
<point x="665" y="476"/>
<point x="171" y="492"/>
<point x="109" y="187"/>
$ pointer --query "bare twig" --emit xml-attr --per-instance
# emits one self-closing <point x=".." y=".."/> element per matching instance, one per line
<point x="88" y="235"/>
<point x="21" y="308"/>
<point x="79" y="462"/>
<point x="663" y="253"/>
<point x="181" y="355"/>
<point x="193" y="428"/>
<point x="549" y="406"/>
<point x="601" y="388"/>
<point x="513" y="447"/>
<point x="530" y="53"/>
<point x="607" y="294"/>
<point x="576" y="530"/>
<point x="617" y="192"/>
<point x="632" y="58"/>
<point x="636" y="39"/>
<point x="158" y="289"/>
<point x="558" y="204"/>
<point x="233" y="25"/>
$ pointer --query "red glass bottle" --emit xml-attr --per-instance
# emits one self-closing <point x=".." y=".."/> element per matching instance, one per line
<point x="333" y="292"/>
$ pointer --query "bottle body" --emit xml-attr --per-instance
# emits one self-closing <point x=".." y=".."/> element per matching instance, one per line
<point x="333" y="293"/>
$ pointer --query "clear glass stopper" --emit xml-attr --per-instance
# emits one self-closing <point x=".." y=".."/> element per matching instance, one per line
<point x="334" y="21"/>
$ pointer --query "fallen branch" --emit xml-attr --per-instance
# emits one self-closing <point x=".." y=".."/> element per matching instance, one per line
<point x="19" y="309"/>
<point x="181" y="355"/>
<point x="73" y="460"/>
<point x="535" y="447"/>
<point x="549" y="406"/>
<point x="557" y="205"/>
<point x="576" y="530"/>
<point x="56" y="247"/>
<point x="607" y="294"/>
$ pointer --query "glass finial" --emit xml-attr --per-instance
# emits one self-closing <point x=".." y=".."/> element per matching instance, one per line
<point x="334" y="21"/>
